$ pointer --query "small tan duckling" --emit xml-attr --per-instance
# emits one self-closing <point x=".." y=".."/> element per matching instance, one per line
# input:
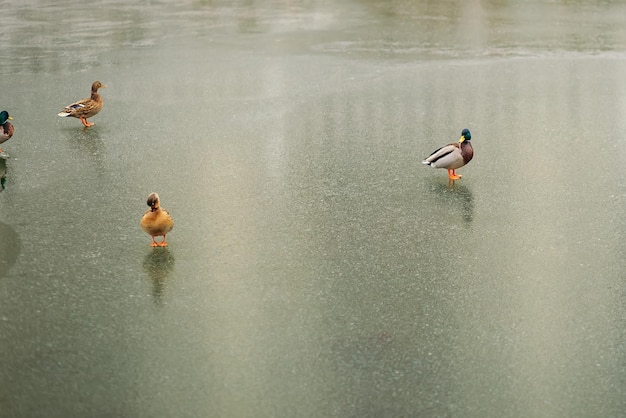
<point x="453" y="156"/>
<point x="156" y="221"/>
<point x="86" y="108"/>
<point x="6" y="127"/>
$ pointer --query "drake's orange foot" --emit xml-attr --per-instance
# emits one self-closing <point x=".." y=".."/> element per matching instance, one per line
<point x="84" y="121"/>
<point x="452" y="175"/>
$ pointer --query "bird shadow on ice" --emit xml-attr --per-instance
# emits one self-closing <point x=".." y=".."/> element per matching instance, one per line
<point x="158" y="264"/>
<point x="87" y="145"/>
<point x="455" y="196"/>
<point x="88" y="139"/>
<point x="10" y="247"/>
<point x="3" y="173"/>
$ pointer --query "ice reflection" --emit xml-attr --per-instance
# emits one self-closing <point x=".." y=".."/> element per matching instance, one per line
<point x="10" y="247"/>
<point x="326" y="272"/>
<point x="3" y="173"/>
<point x="456" y="196"/>
<point x="158" y="264"/>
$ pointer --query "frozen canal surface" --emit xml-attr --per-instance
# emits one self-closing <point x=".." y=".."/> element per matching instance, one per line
<point x="316" y="268"/>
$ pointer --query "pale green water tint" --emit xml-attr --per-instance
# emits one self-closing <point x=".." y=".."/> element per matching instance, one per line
<point x="316" y="268"/>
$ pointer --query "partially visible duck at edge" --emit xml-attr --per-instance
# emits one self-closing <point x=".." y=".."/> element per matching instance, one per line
<point x="6" y="127"/>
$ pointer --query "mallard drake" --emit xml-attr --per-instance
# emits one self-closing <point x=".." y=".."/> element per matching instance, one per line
<point x="6" y="127"/>
<point x="85" y="108"/>
<point x="156" y="221"/>
<point x="453" y="156"/>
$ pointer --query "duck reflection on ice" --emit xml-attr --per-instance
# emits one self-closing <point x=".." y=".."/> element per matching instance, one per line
<point x="10" y="247"/>
<point x="3" y="173"/>
<point x="456" y="195"/>
<point x="158" y="265"/>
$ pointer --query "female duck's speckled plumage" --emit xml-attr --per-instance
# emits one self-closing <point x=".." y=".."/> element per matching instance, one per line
<point x="156" y="221"/>
<point x="86" y="108"/>
<point x="453" y="156"/>
<point x="6" y="127"/>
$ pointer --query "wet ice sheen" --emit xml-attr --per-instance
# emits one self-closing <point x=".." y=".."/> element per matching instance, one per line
<point x="316" y="267"/>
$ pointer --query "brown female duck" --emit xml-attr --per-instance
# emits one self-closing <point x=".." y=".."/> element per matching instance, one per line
<point x="86" y="108"/>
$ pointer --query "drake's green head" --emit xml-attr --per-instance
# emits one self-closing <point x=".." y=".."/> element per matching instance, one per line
<point x="465" y="135"/>
<point x="4" y="116"/>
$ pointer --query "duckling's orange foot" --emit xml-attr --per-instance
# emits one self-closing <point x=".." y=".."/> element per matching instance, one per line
<point x="158" y="244"/>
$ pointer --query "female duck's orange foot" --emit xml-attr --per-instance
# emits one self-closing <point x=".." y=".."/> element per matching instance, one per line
<point x="84" y="121"/>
